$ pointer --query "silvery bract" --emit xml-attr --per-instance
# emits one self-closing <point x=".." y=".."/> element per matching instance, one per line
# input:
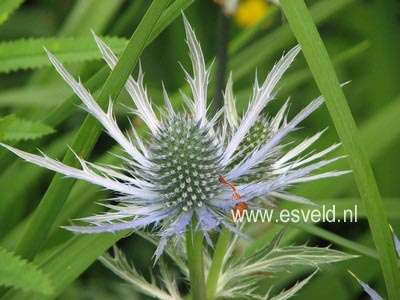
<point x="174" y="175"/>
<point x="240" y="275"/>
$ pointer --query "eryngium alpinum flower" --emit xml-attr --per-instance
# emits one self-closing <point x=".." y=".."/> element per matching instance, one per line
<point x="175" y="174"/>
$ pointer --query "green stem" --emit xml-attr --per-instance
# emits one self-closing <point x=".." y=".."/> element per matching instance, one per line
<point x="194" y="248"/>
<point x="217" y="261"/>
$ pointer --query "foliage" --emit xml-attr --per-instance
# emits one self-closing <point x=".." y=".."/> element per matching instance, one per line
<point x="26" y="54"/>
<point x="18" y="273"/>
<point x="15" y="129"/>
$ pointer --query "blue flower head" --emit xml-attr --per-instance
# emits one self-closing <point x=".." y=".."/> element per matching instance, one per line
<point x="179" y="171"/>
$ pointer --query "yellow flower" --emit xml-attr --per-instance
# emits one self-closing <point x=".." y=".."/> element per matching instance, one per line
<point x="249" y="12"/>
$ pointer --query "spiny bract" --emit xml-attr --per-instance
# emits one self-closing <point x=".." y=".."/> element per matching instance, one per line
<point x="175" y="174"/>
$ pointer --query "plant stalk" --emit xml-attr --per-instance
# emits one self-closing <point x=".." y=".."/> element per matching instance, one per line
<point x="217" y="262"/>
<point x="194" y="249"/>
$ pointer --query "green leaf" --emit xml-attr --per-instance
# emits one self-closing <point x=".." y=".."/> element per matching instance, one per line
<point x="7" y="7"/>
<point x="67" y="262"/>
<point x="26" y="54"/>
<point x="18" y="273"/>
<point x="5" y="123"/>
<point x="317" y="57"/>
<point x="20" y="129"/>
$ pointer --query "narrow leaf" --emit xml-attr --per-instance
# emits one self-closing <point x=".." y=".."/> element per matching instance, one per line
<point x="317" y="57"/>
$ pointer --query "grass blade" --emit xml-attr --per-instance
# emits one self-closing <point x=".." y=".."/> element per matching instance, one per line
<point x="317" y="57"/>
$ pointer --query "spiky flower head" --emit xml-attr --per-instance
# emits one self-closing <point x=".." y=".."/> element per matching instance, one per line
<point x="177" y="172"/>
<point x="187" y="156"/>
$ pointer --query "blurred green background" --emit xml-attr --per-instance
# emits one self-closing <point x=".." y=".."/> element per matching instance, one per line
<point x="363" y="40"/>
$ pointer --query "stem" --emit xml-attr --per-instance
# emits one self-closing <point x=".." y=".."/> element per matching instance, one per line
<point x="194" y="249"/>
<point x="217" y="261"/>
<point x="222" y="57"/>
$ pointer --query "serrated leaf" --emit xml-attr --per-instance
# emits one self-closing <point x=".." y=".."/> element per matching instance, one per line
<point x="18" y="273"/>
<point x="26" y="54"/>
<point x="272" y="244"/>
<point x="20" y="129"/>
<point x="242" y="275"/>
<point x="122" y="268"/>
<point x="283" y="258"/>
<point x="5" y="123"/>
<point x="7" y="7"/>
<point x="284" y="295"/>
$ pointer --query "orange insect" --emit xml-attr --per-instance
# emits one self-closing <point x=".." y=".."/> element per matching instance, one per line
<point x="241" y="206"/>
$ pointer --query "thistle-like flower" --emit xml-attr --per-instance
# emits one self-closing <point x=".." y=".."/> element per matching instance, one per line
<point x="177" y="173"/>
